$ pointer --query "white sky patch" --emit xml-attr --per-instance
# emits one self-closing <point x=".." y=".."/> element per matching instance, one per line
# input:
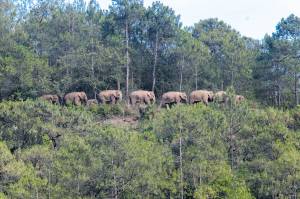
<point x="252" y="18"/>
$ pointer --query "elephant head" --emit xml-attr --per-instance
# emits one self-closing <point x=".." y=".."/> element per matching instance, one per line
<point x="239" y="99"/>
<point x="210" y="96"/>
<point x="183" y="97"/>
<point x="83" y="98"/>
<point x="151" y="96"/>
<point x="118" y="95"/>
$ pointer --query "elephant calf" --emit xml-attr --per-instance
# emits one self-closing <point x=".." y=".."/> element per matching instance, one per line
<point x="239" y="99"/>
<point x="203" y="96"/>
<point x="221" y="97"/>
<point x="92" y="102"/>
<point x="54" y="99"/>
<point x="76" y="98"/>
<point x="109" y="96"/>
<point x="142" y="97"/>
<point x="170" y="98"/>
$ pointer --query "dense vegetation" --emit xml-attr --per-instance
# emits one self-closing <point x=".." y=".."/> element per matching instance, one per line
<point x="248" y="150"/>
<point x="215" y="151"/>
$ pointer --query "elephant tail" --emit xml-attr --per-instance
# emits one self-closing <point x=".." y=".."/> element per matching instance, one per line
<point x="60" y="100"/>
<point x="63" y="101"/>
<point x="130" y="100"/>
<point x="98" y="98"/>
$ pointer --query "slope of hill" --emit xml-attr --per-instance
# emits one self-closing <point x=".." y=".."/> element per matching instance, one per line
<point x="199" y="151"/>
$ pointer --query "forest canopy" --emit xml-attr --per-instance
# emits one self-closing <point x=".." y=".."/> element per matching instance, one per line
<point x="61" y="46"/>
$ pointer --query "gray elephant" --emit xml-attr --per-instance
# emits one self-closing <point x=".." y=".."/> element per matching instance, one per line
<point x="239" y="99"/>
<point x="220" y="97"/>
<point x="92" y="102"/>
<point x="142" y="97"/>
<point x="76" y="98"/>
<point x="171" y="98"/>
<point x="203" y="96"/>
<point x="109" y="96"/>
<point x="54" y="99"/>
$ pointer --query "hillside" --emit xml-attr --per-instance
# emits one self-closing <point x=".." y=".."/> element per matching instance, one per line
<point x="244" y="150"/>
<point x="201" y="151"/>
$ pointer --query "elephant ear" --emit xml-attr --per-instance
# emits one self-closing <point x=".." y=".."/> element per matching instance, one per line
<point x="116" y="93"/>
<point x="182" y="96"/>
<point x="81" y="96"/>
<point x="152" y="94"/>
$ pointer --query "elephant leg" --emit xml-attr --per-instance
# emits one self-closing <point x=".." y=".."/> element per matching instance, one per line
<point x="77" y="101"/>
<point x="152" y="101"/>
<point x="112" y="100"/>
<point x="147" y="101"/>
<point x="133" y="101"/>
<point x="161" y="104"/>
<point x="205" y="101"/>
<point x="102" y="100"/>
<point x="168" y="106"/>
<point x="67" y="102"/>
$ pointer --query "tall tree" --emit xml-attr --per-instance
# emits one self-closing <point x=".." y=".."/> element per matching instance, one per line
<point x="228" y="49"/>
<point x="163" y="24"/>
<point x="288" y="33"/>
<point x="126" y="13"/>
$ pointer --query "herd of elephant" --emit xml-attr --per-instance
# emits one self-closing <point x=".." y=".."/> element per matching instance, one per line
<point x="143" y="97"/>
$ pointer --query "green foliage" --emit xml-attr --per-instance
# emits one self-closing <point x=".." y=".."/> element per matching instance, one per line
<point x="223" y="184"/>
<point x="215" y="151"/>
<point x="106" y="111"/>
<point x="192" y="151"/>
<point x="25" y="123"/>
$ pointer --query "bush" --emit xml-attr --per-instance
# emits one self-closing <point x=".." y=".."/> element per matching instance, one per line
<point x="106" y="111"/>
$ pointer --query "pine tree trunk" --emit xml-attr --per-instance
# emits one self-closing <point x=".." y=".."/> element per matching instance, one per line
<point x="93" y="74"/>
<point x="115" y="192"/>
<point x="196" y="77"/>
<point x="181" y="172"/>
<point x="127" y="60"/>
<point x="181" y="71"/>
<point x="118" y="84"/>
<point x="78" y="185"/>
<point x="296" y="88"/>
<point x="49" y="183"/>
<point x="279" y="96"/>
<point x="37" y="193"/>
<point x="132" y="81"/>
<point x="155" y="62"/>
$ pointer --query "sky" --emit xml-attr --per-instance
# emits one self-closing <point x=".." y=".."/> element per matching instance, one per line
<point x="252" y="18"/>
